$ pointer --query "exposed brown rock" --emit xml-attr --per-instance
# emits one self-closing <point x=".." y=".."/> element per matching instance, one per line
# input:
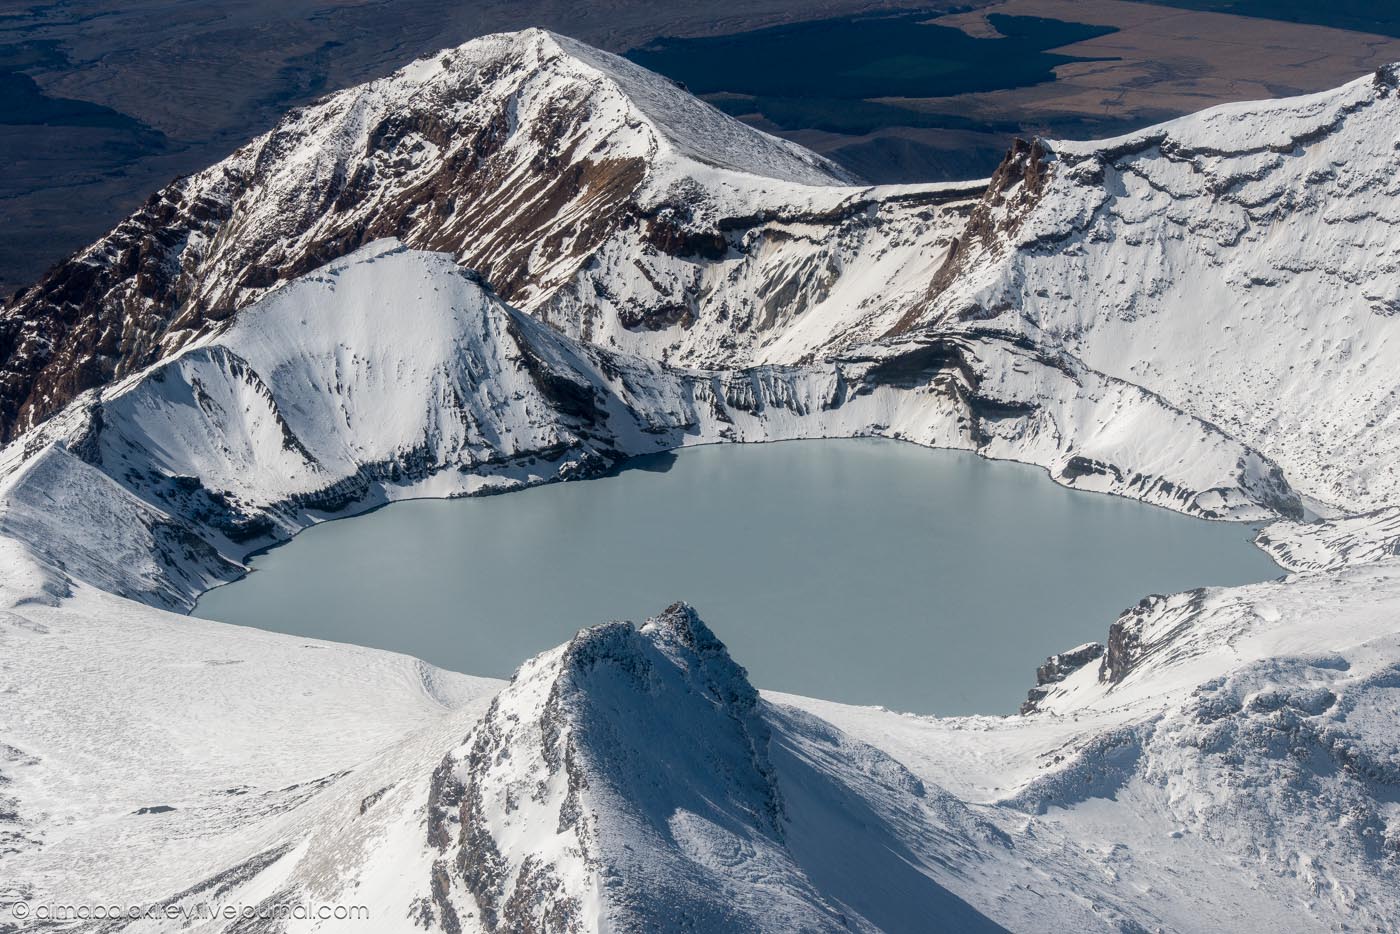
<point x="1013" y="192"/>
<point x="191" y="257"/>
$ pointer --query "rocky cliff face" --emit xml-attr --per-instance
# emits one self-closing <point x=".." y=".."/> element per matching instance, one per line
<point x="1056" y="668"/>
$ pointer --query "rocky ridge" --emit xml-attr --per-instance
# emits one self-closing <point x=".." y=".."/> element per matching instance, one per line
<point x="523" y="155"/>
<point x="1267" y="226"/>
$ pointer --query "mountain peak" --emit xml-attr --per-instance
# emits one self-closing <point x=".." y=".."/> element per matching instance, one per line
<point x="521" y="154"/>
<point x="696" y="129"/>
<point x="630" y="780"/>
<point x="680" y="623"/>
<point x="626" y="96"/>
<point x="607" y="777"/>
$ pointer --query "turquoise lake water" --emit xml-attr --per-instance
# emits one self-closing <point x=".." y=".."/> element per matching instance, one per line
<point x="864" y="571"/>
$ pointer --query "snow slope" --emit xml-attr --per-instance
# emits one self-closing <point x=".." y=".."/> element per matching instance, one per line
<point x="1242" y="776"/>
<point x="1241" y="263"/>
<point x="1335" y="543"/>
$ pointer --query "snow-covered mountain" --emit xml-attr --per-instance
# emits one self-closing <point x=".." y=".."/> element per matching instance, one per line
<point x="1240" y="775"/>
<point x="609" y="203"/>
<point x="525" y="260"/>
<point x="634" y="775"/>
<point x="528" y="156"/>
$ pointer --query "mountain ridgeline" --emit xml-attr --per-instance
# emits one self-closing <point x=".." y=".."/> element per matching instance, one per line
<point x="606" y="201"/>
<point x="520" y="155"/>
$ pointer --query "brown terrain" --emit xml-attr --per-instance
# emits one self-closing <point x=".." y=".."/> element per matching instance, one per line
<point x="205" y="76"/>
<point x="1175" y="61"/>
<point x="1169" y="62"/>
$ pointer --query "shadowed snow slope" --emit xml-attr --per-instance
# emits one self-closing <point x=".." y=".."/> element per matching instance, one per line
<point x="629" y="776"/>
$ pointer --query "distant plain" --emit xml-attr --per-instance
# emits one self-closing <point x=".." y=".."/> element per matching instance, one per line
<point x="103" y="103"/>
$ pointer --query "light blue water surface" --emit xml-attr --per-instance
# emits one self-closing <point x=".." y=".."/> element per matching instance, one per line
<point x="864" y="571"/>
